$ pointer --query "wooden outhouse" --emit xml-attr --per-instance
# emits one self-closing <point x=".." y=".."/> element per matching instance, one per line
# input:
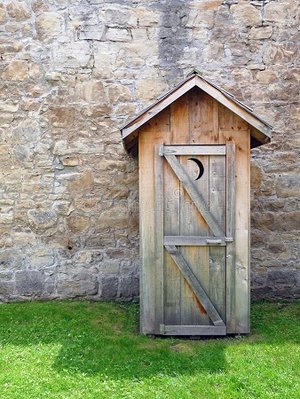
<point x="193" y="147"/>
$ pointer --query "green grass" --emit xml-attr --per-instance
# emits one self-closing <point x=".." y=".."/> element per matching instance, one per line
<point x="77" y="350"/>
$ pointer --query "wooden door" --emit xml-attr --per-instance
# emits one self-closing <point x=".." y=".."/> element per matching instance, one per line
<point x="194" y="208"/>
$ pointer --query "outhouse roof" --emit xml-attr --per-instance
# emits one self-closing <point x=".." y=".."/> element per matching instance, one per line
<point x="260" y="130"/>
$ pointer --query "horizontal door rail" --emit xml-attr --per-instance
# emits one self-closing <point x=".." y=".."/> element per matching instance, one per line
<point x="192" y="150"/>
<point x="195" y="241"/>
<point x="192" y="330"/>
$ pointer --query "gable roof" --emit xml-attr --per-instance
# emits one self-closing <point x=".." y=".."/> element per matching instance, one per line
<point x="259" y="129"/>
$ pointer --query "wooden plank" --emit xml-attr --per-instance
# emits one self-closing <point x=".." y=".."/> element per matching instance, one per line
<point x="217" y="255"/>
<point x="231" y="123"/>
<point x="172" y="276"/>
<point x="192" y="330"/>
<point x="181" y="135"/>
<point x="195" y="195"/>
<point x="242" y="222"/>
<point x="154" y="133"/>
<point x="242" y="264"/>
<point x="189" y="219"/>
<point x="230" y="190"/>
<point x="159" y="232"/>
<point x="147" y="245"/>
<point x="203" y="118"/>
<point x="195" y="285"/>
<point x="193" y="150"/>
<point x="195" y="241"/>
<point x="215" y="122"/>
<point x="230" y="229"/>
<point x="193" y="223"/>
<point x="180" y="121"/>
<point x="174" y="283"/>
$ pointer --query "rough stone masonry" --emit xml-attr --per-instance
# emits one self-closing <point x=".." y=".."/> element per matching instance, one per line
<point x="71" y="73"/>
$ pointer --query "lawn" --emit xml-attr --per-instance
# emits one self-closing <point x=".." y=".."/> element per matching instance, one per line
<point x="77" y="350"/>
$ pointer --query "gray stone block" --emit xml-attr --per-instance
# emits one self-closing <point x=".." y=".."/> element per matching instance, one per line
<point x="7" y="289"/>
<point x="282" y="277"/>
<point x="30" y="283"/>
<point x="82" y="284"/>
<point x="129" y="287"/>
<point x="109" y="287"/>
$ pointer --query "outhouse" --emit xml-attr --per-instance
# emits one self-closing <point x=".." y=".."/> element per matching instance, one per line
<point x="193" y="147"/>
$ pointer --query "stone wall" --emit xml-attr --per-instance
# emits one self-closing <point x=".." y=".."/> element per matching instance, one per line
<point x="72" y="71"/>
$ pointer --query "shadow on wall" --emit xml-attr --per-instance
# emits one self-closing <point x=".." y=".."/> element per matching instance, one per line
<point x="173" y="36"/>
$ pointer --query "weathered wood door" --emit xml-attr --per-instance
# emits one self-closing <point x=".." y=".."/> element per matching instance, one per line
<point x="195" y="208"/>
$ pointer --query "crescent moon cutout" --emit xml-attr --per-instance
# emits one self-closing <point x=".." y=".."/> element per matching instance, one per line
<point x="200" y="166"/>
